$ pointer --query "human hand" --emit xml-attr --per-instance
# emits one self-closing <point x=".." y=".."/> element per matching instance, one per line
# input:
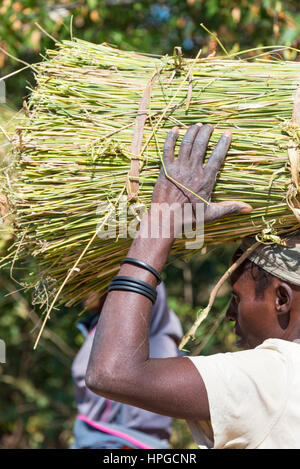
<point x="187" y="172"/>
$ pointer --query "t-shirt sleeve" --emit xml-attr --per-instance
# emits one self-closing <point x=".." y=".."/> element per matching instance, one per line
<point x="246" y="392"/>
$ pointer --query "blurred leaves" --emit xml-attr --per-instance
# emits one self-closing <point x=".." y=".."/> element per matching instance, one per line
<point x="153" y="27"/>
<point x="36" y="390"/>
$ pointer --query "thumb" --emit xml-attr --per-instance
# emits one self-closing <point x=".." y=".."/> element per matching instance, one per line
<point x="222" y="209"/>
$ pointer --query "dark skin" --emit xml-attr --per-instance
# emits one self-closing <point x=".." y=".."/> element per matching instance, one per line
<point x="120" y="367"/>
<point x="279" y="304"/>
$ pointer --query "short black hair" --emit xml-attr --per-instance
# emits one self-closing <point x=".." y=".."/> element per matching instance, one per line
<point x="262" y="278"/>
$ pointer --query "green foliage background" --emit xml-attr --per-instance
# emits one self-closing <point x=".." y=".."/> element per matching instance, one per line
<point x="149" y="26"/>
<point x="36" y="392"/>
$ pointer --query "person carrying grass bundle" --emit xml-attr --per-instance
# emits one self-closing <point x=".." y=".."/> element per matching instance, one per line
<point x="245" y="399"/>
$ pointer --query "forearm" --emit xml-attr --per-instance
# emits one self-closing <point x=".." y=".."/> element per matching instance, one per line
<point x="120" y="367"/>
<point x="125" y="316"/>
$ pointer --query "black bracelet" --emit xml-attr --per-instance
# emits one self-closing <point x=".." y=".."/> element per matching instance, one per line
<point x="143" y="265"/>
<point x="135" y="288"/>
<point x="143" y="284"/>
<point x="131" y="289"/>
<point x="135" y="283"/>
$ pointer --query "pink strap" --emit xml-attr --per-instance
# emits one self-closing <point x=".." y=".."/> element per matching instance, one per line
<point x="114" y="432"/>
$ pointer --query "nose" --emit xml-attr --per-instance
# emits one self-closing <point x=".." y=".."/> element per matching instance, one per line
<point x="231" y="313"/>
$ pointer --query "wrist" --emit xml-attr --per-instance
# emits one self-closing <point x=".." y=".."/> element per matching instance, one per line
<point x="149" y="246"/>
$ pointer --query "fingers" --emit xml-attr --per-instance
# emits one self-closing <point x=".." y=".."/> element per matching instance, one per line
<point x="218" y="155"/>
<point x="200" y="144"/>
<point x="194" y="145"/>
<point x="187" y="143"/>
<point x="169" y="146"/>
<point x="222" y="209"/>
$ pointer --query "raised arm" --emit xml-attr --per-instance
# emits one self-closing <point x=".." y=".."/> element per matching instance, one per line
<point x="119" y="367"/>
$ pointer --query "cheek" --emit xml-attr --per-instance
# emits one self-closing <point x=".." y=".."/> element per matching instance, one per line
<point x="246" y="311"/>
<point x="254" y="316"/>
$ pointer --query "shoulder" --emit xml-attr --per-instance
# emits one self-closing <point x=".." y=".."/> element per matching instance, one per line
<point x="246" y="391"/>
<point x="265" y="367"/>
<point x="271" y="350"/>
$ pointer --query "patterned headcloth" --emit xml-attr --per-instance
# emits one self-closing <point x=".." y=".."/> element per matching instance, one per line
<point x="281" y="261"/>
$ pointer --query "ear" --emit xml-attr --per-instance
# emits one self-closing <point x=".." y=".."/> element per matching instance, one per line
<point x="283" y="303"/>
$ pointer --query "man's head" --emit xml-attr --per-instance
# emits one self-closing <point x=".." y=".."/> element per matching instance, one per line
<point x="266" y="292"/>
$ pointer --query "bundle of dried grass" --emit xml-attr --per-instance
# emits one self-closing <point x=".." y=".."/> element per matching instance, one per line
<point x="7" y="129"/>
<point x="96" y="126"/>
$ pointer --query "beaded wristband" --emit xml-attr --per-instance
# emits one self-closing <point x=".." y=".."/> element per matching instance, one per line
<point x="143" y="265"/>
